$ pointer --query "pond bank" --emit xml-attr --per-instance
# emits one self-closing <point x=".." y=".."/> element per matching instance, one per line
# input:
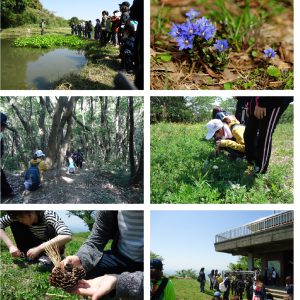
<point x="93" y="67"/>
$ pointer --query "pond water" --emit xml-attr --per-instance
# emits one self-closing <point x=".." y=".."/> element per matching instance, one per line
<point x="30" y="68"/>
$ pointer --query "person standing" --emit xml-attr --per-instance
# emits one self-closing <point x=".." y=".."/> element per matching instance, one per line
<point x="43" y="26"/>
<point x="264" y="114"/>
<point x="6" y="190"/>
<point x="274" y="276"/>
<point x="161" y="287"/>
<point x="202" y="280"/>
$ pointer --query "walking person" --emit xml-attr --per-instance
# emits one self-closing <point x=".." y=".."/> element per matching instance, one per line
<point x="264" y="114"/>
<point x="202" y="280"/>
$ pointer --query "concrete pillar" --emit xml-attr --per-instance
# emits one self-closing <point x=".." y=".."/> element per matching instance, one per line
<point x="250" y="261"/>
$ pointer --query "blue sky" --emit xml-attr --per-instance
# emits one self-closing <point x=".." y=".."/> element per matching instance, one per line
<point x="74" y="223"/>
<point x="185" y="239"/>
<point x="83" y="9"/>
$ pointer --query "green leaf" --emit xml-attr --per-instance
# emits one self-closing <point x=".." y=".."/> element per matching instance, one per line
<point x="158" y="43"/>
<point x="254" y="53"/>
<point x="273" y="71"/>
<point x="165" y="57"/>
<point x="227" y="86"/>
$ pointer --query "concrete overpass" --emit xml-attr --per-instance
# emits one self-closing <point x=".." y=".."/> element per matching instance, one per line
<point x="270" y="239"/>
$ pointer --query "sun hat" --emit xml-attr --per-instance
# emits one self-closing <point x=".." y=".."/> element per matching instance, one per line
<point x="212" y="126"/>
<point x="39" y="153"/>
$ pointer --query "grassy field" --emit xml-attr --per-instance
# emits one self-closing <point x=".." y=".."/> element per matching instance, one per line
<point x="188" y="289"/>
<point x="184" y="169"/>
<point x="23" y="281"/>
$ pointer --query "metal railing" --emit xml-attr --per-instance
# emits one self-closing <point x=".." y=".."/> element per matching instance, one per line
<point x="277" y="220"/>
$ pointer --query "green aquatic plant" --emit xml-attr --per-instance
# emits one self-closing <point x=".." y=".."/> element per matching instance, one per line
<point x="50" y="41"/>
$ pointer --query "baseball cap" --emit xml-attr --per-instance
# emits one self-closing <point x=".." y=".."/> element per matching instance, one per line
<point x="39" y="153"/>
<point x="212" y="126"/>
<point x="156" y="263"/>
<point x="125" y="3"/>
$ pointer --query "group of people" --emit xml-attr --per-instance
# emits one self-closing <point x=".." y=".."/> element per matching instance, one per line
<point x="239" y="285"/>
<point x="121" y="30"/>
<point x="249" y="132"/>
<point x="118" y="270"/>
<point x="74" y="159"/>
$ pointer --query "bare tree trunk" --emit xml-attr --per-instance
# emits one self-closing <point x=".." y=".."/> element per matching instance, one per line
<point x="131" y="135"/>
<point x="42" y="128"/>
<point x="138" y="177"/>
<point x="52" y="150"/>
<point x="117" y="122"/>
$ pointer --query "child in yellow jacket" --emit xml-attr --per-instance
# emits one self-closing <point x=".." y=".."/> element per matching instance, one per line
<point x="229" y="135"/>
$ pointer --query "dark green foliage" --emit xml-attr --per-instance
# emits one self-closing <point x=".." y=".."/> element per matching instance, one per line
<point x="74" y="20"/>
<point x="20" y="12"/>
<point x="87" y="216"/>
<point x="190" y="273"/>
<point x="242" y="264"/>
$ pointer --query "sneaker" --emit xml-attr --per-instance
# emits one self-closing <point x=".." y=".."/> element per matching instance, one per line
<point x="44" y="261"/>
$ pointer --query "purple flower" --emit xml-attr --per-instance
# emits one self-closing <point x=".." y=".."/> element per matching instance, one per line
<point x="269" y="53"/>
<point x="175" y="31"/>
<point x="205" y="28"/>
<point x="221" y="45"/>
<point x="185" y="42"/>
<point x="192" y="14"/>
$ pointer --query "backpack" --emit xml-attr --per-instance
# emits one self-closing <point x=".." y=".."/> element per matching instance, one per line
<point x="240" y="286"/>
<point x="157" y="295"/>
<point x="33" y="175"/>
<point x="222" y="286"/>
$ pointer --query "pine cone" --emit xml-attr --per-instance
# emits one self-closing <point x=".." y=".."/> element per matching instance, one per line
<point x="66" y="278"/>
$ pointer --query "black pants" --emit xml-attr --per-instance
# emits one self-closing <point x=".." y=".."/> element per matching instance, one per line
<point x="113" y="262"/>
<point x="6" y="189"/>
<point x="24" y="238"/>
<point x="261" y="129"/>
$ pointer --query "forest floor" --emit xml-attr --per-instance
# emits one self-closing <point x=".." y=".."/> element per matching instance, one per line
<point x="86" y="186"/>
<point x="248" y="29"/>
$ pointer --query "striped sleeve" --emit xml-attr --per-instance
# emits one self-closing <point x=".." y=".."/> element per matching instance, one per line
<point x="52" y="219"/>
<point x="5" y="221"/>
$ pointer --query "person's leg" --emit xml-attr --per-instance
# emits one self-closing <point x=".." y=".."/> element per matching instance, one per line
<point x="267" y="126"/>
<point x="6" y="189"/>
<point x="250" y="138"/>
<point x="24" y="238"/>
<point x="114" y="263"/>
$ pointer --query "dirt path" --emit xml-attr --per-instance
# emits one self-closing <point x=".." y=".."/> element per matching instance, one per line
<point x="86" y="186"/>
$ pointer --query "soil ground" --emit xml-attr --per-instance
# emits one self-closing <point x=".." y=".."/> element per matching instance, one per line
<point x="243" y="70"/>
<point x="86" y="186"/>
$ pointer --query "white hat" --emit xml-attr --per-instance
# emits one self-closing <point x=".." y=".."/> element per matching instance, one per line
<point x="212" y="126"/>
<point x="39" y="153"/>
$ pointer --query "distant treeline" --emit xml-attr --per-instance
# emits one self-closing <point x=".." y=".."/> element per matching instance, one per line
<point x="196" y="109"/>
<point x="20" y="12"/>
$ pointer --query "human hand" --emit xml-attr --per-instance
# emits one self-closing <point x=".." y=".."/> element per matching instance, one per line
<point x="33" y="252"/>
<point x="218" y="147"/>
<point x="97" y="287"/>
<point x="14" y="251"/>
<point x="260" y="112"/>
<point x="72" y="260"/>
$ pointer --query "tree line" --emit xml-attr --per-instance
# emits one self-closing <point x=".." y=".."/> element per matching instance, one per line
<point x="195" y="109"/>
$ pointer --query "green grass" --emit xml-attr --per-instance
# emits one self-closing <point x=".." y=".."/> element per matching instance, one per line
<point x="50" y="41"/>
<point x="188" y="289"/>
<point x="184" y="169"/>
<point x="20" y="280"/>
